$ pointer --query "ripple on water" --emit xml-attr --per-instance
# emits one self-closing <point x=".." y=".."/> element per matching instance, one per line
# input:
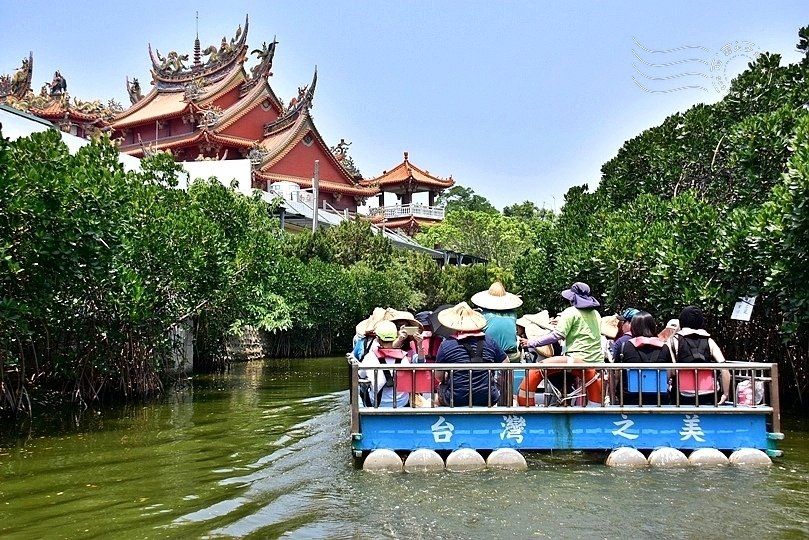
<point x="264" y="460"/>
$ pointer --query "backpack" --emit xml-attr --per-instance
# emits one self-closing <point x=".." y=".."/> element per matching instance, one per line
<point x="695" y="349"/>
<point x="476" y="355"/>
<point x="646" y="380"/>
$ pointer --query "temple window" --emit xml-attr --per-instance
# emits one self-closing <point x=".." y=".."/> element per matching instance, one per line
<point x="308" y="139"/>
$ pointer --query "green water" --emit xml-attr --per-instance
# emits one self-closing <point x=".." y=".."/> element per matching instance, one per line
<point x="263" y="452"/>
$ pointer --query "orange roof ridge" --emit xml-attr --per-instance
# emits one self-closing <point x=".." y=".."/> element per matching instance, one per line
<point x="408" y="172"/>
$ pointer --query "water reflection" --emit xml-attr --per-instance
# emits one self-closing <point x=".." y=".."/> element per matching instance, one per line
<point x="263" y="451"/>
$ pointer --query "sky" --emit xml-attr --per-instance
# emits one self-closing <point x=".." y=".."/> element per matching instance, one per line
<point x="517" y="100"/>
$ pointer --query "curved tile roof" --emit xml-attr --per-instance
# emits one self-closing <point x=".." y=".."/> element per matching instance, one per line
<point x="324" y="185"/>
<point x="405" y="173"/>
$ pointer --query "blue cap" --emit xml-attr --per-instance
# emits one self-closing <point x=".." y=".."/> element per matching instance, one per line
<point x="627" y="314"/>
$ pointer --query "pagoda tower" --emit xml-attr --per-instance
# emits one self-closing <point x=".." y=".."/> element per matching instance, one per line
<point x="405" y="180"/>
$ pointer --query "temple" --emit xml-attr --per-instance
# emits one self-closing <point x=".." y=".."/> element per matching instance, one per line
<point x="81" y="118"/>
<point x="209" y="106"/>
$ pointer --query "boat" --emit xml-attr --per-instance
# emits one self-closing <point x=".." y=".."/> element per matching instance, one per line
<point x="570" y="425"/>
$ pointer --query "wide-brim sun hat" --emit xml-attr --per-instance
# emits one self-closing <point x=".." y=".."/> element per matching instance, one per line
<point x="543" y="319"/>
<point x="496" y="298"/>
<point x="532" y="331"/>
<point x="462" y="318"/>
<point x="609" y="326"/>
<point x="402" y="317"/>
<point x="579" y="296"/>
<point x="366" y="326"/>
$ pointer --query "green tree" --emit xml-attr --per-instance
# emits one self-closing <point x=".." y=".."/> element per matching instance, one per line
<point x="494" y="237"/>
<point x="803" y="41"/>
<point x="527" y="210"/>
<point x="463" y="198"/>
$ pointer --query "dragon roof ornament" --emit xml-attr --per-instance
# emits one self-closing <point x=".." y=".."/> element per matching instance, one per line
<point x="170" y="73"/>
<point x="262" y="70"/>
<point x="297" y="105"/>
<point x="18" y="84"/>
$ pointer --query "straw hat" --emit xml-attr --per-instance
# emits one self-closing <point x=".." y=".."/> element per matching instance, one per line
<point x="543" y="319"/>
<point x="497" y="298"/>
<point x="462" y="318"/>
<point x="402" y="316"/>
<point x="366" y="326"/>
<point x="532" y="331"/>
<point x="536" y="324"/>
<point x="609" y="326"/>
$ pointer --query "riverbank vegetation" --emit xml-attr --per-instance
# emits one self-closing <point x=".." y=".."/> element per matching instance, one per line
<point x="98" y="266"/>
<point x="706" y="208"/>
<point x="101" y="267"/>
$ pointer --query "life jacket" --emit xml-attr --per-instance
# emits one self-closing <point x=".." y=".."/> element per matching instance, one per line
<point x="695" y="348"/>
<point x="648" y="348"/>
<point x="431" y="344"/>
<point x="383" y="355"/>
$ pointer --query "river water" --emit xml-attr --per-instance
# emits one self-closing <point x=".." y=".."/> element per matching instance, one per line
<point x="263" y="452"/>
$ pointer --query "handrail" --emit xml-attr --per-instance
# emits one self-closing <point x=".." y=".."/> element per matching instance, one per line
<point x="408" y="210"/>
<point x="765" y="374"/>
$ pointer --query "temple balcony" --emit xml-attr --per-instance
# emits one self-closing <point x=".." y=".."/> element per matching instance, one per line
<point x="416" y="210"/>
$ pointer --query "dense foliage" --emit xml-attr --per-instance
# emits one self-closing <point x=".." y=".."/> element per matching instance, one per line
<point x="707" y="207"/>
<point x="102" y="268"/>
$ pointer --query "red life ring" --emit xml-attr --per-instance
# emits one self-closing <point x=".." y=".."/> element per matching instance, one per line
<point x="529" y="385"/>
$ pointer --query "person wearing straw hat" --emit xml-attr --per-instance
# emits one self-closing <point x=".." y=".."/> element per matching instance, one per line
<point x="410" y="333"/>
<point x="380" y="392"/>
<point x="364" y="337"/>
<point x="498" y="307"/>
<point x="468" y="344"/>
<point x="609" y="331"/>
<point x="533" y="326"/>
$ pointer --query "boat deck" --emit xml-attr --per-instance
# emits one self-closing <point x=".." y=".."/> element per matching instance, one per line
<point x="606" y="425"/>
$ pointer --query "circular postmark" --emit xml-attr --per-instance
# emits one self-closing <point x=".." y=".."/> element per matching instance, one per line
<point x="725" y="63"/>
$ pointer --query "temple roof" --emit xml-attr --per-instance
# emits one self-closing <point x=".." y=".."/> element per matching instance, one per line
<point x="291" y="131"/>
<point x="154" y="105"/>
<point x="185" y="139"/>
<point x="170" y="74"/>
<point x="325" y="185"/>
<point x="408" y="178"/>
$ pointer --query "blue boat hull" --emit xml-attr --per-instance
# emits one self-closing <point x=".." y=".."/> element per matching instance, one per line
<point x="570" y="430"/>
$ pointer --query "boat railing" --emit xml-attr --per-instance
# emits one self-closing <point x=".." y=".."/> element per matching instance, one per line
<point x="423" y="380"/>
